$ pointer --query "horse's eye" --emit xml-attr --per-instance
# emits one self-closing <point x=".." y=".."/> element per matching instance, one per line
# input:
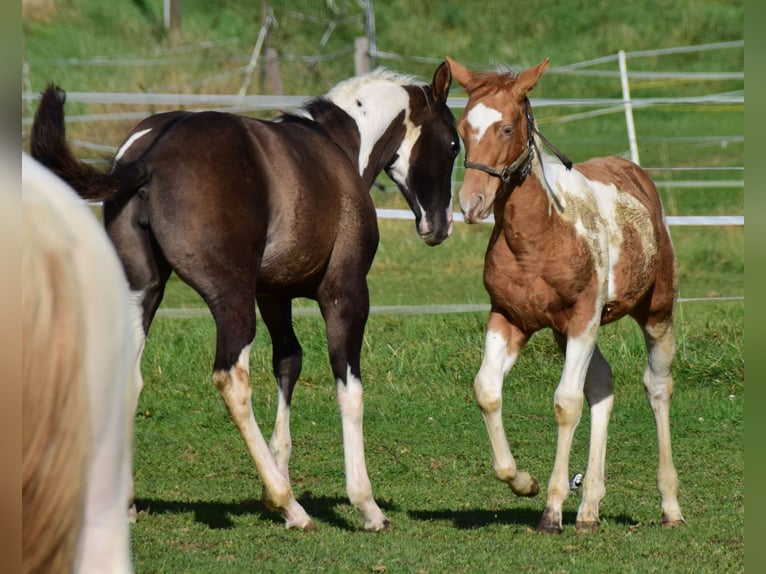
<point x="454" y="148"/>
<point x="507" y="130"/>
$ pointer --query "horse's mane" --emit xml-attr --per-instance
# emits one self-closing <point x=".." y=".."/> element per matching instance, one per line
<point x="377" y="75"/>
<point x="55" y="429"/>
<point x="494" y="80"/>
<point x="320" y="106"/>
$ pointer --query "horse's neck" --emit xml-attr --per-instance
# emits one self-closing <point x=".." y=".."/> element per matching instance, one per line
<point x="527" y="211"/>
<point x="380" y="110"/>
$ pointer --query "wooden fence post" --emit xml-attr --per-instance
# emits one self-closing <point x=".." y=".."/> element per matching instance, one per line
<point x="361" y="55"/>
<point x="172" y="13"/>
<point x="273" y="72"/>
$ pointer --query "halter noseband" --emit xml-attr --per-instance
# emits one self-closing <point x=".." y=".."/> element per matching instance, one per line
<point x="508" y="171"/>
<point x="522" y="164"/>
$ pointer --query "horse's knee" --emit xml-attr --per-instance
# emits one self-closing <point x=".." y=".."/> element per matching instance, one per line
<point x="488" y="395"/>
<point x="567" y="408"/>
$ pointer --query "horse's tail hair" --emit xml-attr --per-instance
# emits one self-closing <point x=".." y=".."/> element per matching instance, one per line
<point x="48" y="145"/>
<point x="55" y="409"/>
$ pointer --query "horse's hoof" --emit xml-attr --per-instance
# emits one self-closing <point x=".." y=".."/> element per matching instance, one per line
<point x="305" y="526"/>
<point x="587" y="526"/>
<point x="550" y="528"/>
<point x="132" y="514"/>
<point x="672" y="518"/>
<point x="550" y="523"/>
<point x="524" y="484"/>
<point x="384" y="526"/>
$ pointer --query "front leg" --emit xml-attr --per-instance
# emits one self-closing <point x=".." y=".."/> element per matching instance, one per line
<point x="502" y="346"/>
<point x="345" y="316"/>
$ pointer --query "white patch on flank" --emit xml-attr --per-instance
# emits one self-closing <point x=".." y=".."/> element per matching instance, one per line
<point x="131" y="140"/>
<point x="373" y="101"/>
<point x="480" y="118"/>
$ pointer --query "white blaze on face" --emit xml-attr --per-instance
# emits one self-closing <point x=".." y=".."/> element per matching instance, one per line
<point x="480" y="118"/>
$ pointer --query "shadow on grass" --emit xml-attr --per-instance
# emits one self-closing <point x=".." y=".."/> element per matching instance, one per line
<point x="473" y="518"/>
<point x="218" y="515"/>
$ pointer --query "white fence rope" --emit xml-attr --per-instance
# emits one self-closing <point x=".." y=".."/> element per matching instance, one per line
<point x="197" y="312"/>
<point x="684" y="220"/>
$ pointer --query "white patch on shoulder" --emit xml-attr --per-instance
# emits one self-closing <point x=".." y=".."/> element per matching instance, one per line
<point x="481" y="117"/>
<point x="131" y="140"/>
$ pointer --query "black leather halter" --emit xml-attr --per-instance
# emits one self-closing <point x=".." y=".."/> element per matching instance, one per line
<point x="522" y="165"/>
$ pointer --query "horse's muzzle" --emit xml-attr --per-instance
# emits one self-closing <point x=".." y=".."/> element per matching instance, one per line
<point x="477" y="209"/>
<point x="436" y="235"/>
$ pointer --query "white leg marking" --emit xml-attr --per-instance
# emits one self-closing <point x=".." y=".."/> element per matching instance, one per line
<point x="131" y="140"/>
<point x="281" y="442"/>
<point x="600" y="392"/>
<point x="658" y="381"/>
<point x="481" y="118"/>
<point x="488" y="388"/>
<point x="358" y="484"/>
<point x="234" y="386"/>
<point x="567" y="404"/>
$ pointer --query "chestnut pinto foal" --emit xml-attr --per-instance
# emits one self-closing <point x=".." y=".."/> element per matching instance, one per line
<point x="573" y="247"/>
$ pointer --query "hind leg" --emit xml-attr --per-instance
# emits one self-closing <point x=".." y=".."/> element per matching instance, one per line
<point x="599" y="391"/>
<point x="235" y="324"/>
<point x="147" y="272"/>
<point x="286" y="362"/>
<point x="658" y="382"/>
<point x="567" y="407"/>
<point x="345" y="316"/>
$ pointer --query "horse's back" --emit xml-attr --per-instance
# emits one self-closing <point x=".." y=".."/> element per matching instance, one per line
<point x="272" y="189"/>
<point x="70" y="267"/>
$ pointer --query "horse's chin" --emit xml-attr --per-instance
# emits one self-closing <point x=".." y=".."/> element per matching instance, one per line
<point x="435" y="238"/>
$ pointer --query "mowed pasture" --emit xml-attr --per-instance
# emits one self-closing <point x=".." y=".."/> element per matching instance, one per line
<point x="428" y="453"/>
<point x="197" y="491"/>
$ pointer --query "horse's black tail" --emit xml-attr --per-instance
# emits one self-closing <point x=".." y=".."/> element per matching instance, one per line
<point x="49" y="146"/>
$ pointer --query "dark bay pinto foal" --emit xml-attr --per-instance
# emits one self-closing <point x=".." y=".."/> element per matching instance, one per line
<point x="244" y="209"/>
<point x="573" y="247"/>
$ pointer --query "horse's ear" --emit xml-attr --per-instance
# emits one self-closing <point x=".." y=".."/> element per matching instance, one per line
<point x="529" y="78"/>
<point x="461" y="74"/>
<point x="441" y="82"/>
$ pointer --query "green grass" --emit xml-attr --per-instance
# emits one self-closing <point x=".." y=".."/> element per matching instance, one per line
<point x="427" y="448"/>
<point x="429" y="459"/>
